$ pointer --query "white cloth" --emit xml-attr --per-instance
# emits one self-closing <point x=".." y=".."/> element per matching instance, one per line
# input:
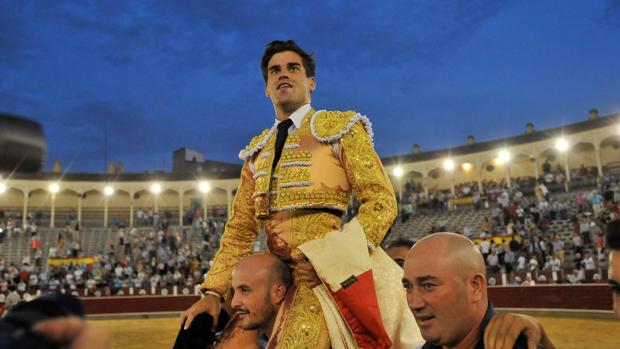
<point x="340" y="254"/>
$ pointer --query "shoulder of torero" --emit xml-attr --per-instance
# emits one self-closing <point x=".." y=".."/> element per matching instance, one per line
<point x="329" y="126"/>
<point x="257" y="143"/>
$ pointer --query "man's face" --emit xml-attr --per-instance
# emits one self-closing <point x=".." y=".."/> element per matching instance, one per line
<point x="398" y="254"/>
<point x="438" y="298"/>
<point x="252" y="299"/>
<point x="614" y="278"/>
<point x="287" y="84"/>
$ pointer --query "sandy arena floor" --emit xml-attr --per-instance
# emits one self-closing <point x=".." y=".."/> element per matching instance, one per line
<point x="565" y="332"/>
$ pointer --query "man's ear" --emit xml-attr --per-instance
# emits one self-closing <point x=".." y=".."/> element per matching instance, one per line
<point x="478" y="283"/>
<point x="278" y="291"/>
<point x="266" y="92"/>
<point x="312" y="83"/>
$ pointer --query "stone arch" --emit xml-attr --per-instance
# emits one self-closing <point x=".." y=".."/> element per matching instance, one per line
<point x="192" y="202"/>
<point x="118" y="207"/>
<point x="168" y="199"/>
<point x="463" y="175"/>
<point x="93" y="202"/>
<point x="610" y="154"/>
<point x="12" y="201"/>
<point x="218" y="202"/>
<point x="439" y="179"/>
<point x="548" y="154"/>
<point x="490" y="171"/>
<point x="581" y="153"/>
<point x="39" y="206"/>
<point x="523" y="167"/>
<point x="144" y="199"/>
<point x="411" y="181"/>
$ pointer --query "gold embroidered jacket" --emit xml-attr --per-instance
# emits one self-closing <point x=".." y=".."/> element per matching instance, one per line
<point x="322" y="162"/>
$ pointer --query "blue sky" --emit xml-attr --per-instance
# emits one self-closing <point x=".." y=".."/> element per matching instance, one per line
<point x="160" y="75"/>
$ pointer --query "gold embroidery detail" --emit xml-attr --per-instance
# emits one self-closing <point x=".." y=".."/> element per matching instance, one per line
<point x="371" y="185"/>
<point x="329" y="124"/>
<point x="305" y="325"/>
<point x="293" y="139"/>
<point x="293" y="155"/>
<point x="289" y="198"/>
<point x="239" y="234"/>
<point x="256" y="144"/>
<point x="293" y="174"/>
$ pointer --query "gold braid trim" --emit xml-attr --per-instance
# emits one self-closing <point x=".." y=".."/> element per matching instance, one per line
<point x="330" y="126"/>
<point x="257" y="143"/>
<point x="370" y="183"/>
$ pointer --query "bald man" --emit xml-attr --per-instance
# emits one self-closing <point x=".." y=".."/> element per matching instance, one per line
<point x="260" y="283"/>
<point x="446" y="286"/>
<point x="612" y="236"/>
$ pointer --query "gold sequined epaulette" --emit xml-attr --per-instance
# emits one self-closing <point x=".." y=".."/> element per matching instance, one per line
<point x="257" y="143"/>
<point x="329" y="126"/>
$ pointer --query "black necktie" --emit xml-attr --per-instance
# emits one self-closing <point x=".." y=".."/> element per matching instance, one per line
<point x="283" y="127"/>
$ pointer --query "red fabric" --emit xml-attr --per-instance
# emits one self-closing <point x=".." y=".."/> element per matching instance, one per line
<point x="359" y="306"/>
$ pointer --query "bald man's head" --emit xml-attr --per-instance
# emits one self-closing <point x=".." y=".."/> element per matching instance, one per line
<point x="260" y="282"/>
<point x="452" y="249"/>
<point x="270" y="266"/>
<point x="446" y="287"/>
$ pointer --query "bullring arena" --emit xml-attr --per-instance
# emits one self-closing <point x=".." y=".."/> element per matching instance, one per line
<point x="133" y="247"/>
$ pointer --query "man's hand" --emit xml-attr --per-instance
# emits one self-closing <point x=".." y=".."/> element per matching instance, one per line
<point x="305" y="271"/>
<point x="73" y="332"/>
<point x="503" y="330"/>
<point x="208" y="304"/>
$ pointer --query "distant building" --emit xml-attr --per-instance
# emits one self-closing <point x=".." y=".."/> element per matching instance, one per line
<point x="185" y="160"/>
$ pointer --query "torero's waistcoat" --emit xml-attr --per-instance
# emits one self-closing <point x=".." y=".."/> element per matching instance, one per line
<point x="309" y="173"/>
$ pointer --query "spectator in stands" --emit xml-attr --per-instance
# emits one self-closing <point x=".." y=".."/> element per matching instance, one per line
<point x="546" y="167"/>
<point x="493" y="262"/>
<point x="486" y="226"/>
<point x="398" y="249"/>
<point x="533" y="264"/>
<point x="588" y="262"/>
<point x="521" y="262"/>
<point x="556" y="264"/>
<point x="597" y="201"/>
<point x="446" y="287"/>
<point x="613" y="241"/>
<point x="577" y="243"/>
<point x="528" y="280"/>
<point x="611" y="206"/>
<point x="558" y="247"/>
<point x="584" y="230"/>
<point x="600" y="245"/>
<point x="485" y="247"/>
<point x="580" y="200"/>
<point x="509" y="261"/>
<point x="12" y="298"/>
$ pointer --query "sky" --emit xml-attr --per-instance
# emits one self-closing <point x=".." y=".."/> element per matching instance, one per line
<point x="132" y="81"/>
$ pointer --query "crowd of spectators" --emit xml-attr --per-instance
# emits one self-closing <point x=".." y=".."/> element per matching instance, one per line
<point x="138" y="258"/>
<point x="520" y="233"/>
<point x="529" y="243"/>
<point x="415" y="199"/>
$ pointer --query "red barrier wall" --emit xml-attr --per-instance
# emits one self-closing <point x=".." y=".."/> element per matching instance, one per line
<point x="577" y="297"/>
<point x="137" y="304"/>
<point x="588" y="296"/>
